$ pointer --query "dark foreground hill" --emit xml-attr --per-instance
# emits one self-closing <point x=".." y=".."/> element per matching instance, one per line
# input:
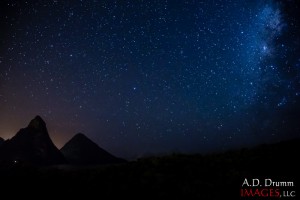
<point x="31" y="145"/>
<point x="80" y="150"/>
<point x="215" y="176"/>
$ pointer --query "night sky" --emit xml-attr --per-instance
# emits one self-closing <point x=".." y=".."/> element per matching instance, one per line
<point x="152" y="76"/>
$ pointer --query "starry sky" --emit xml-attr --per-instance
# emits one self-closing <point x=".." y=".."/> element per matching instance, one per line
<point x="152" y="76"/>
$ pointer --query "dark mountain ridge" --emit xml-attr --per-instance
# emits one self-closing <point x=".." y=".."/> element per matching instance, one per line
<point x="31" y="145"/>
<point x="80" y="150"/>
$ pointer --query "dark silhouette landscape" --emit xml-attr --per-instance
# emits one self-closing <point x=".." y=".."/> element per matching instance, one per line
<point x="33" y="166"/>
<point x="32" y="146"/>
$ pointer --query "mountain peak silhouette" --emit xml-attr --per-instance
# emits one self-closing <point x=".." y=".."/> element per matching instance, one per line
<point x="80" y="136"/>
<point x="31" y="145"/>
<point x="37" y="123"/>
<point x="80" y="150"/>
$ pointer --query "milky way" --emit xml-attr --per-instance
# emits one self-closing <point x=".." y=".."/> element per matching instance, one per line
<point x="146" y="76"/>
